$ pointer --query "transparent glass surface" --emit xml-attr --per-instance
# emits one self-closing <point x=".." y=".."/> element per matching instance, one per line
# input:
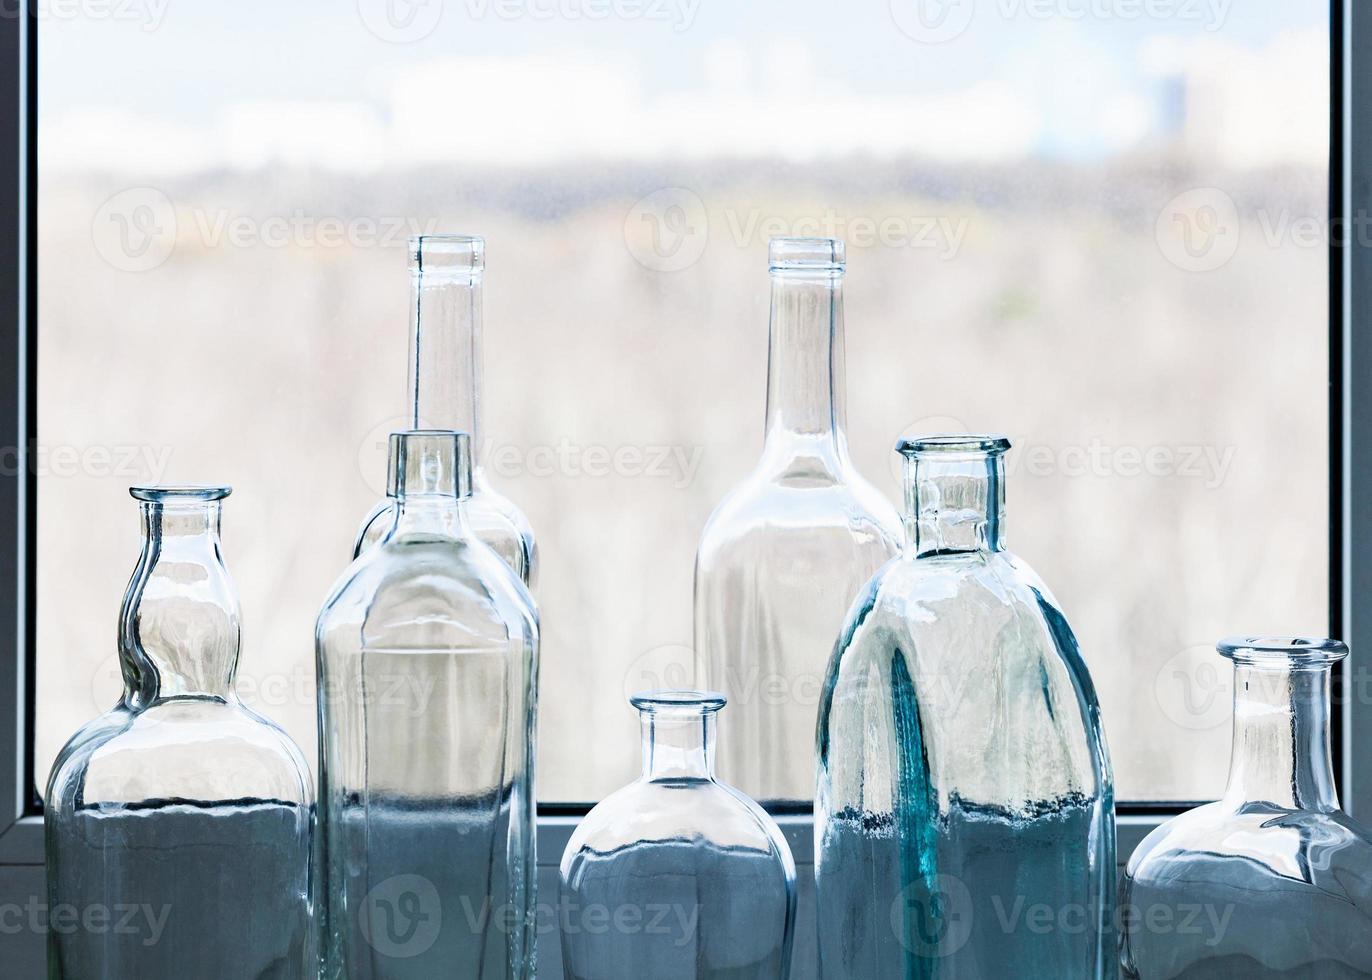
<point x="1098" y="227"/>
<point x="786" y="550"/>
<point x="964" y="813"/>
<point x="694" y="878"/>
<point x="180" y="823"/>
<point x="427" y="653"/>
<point x="445" y="389"/>
<point x="1273" y="880"/>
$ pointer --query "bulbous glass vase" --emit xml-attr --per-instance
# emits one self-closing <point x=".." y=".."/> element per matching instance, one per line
<point x="786" y="550"/>
<point x="427" y="656"/>
<point x="692" y="879"/>
<point x="180" y="819"/>
<point x="964" y="812"/>
<point x="445" y="375"/>
<point x="1274" y="879"/>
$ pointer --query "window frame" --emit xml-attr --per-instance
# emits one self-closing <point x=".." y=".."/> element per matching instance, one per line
<point x="1350" y="463"/>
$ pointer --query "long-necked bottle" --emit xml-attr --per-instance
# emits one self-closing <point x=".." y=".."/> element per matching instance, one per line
<point x="785" y="552"/>
<point x="1273" y="880"/>
<point x="445" y="369"/>
<point x="180" y="818"/>
<point x="705" y="866"/>
<point x="427" y="656"/>
<point x="964" y="810"/>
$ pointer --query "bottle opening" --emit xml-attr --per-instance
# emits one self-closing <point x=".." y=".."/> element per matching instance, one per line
<point x="694" y="702"/>
<point x="949" y="446"/>
<point x="189" y="493"/>
<point x="1283" y="650"/>
<point x="456" y="255"/>
<point x="431" y="462"/>
<point x="822" y="255"/>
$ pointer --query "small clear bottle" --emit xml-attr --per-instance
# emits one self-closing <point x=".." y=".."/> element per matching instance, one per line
<point x="697" y="877"/>
<point x="445" y="374"/>
<point x="180" y="815"/>
<point x="1274" y="879"/>
<point x="787" y="549"/>
<point x="427" y="657"/>
<point x="964" y="812"/>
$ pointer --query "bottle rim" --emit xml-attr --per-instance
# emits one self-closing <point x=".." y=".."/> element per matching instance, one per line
<point x="1298" y="650"/>
<point x="189" y="492"/>
<point x="961" y="444"/>
<point x="678" y="700"/>
<point x="824" y="255"/>
<point x="447" y="255"/>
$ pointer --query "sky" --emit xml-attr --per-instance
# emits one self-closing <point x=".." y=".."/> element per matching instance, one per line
<point x="362" y="85"/>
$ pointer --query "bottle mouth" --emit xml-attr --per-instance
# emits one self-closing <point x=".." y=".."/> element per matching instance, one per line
<point x="430" y="462"/>
<point x="687" y="702"/>
<point x="185" y="492"/>
<point x="1283" y="650"/>
<point x="802" y="255"/>
<point x="447" y="255"/>
<point x="952" y="446"/>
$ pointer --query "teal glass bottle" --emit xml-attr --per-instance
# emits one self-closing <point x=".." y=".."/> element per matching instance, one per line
<point x="964" y="810"/>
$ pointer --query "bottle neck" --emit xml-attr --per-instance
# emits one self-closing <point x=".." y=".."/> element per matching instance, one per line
<point x="954" y="502"/>
<point x="430" y="475"/>
<point x="678" y="744"/>
<point x="180" y="626"/>
<point x="445" y="352"/>
<point x="805" y="397"/>
<point x="1281" y="752"/>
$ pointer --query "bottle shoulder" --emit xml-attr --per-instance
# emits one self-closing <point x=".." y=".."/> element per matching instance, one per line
<point x="694" y="812"/>
<point x="194" y="749"/>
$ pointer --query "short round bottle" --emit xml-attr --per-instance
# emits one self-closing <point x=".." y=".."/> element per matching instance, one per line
<point x="694" y="880"/>
<point x="1273" y="879"/>
<point x="180" y="817"/>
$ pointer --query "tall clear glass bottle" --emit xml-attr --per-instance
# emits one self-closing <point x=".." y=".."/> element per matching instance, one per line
<point x="180" y="821"/>
<point x="964" y="811"/>
<point x="427" y="656"/>
<point x="1274" y="879"/>
<point x="445" y="369"/>
<point x="700" y="874"/>
<point x="785" y="552"/>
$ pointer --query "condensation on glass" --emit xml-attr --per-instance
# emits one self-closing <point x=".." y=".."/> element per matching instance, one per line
<point x="963" y="776"/>
<point x="427" y="658"/>
<point x="786" y="551"/>
<point x="180" y="818"/>
<point x="445" y="377"/>
<point x="1273" y="880"/>
<point x="681" y="850"/>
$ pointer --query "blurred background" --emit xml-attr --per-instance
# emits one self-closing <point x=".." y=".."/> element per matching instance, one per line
<point x="1096" y="225"/>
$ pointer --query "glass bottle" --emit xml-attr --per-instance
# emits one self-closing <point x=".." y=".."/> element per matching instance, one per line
<point x="427" y="653"/>
<point x="445" y="389"/>
<point x="180" y="822"/>
<point x="964" y="812"/>
<point x="694" y="878"/>
<point x="1274" y="879"/>
<point x="787" y="549"/>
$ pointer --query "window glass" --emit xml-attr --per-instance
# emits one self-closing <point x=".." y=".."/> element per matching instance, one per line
<point x="1095" y="226"/>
